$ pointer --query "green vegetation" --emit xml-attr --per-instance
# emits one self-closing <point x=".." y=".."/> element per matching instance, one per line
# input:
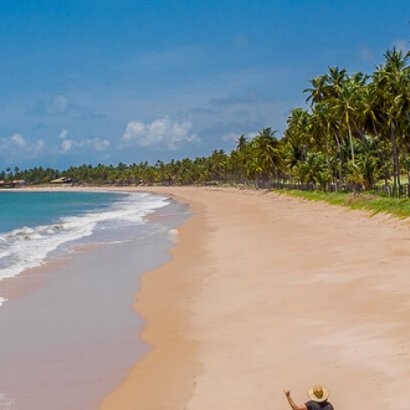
<point x="375" y="204"/>
<point x="353" y="136"/>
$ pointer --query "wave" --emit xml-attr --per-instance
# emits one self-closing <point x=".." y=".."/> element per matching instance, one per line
<point x="27" y="247"/>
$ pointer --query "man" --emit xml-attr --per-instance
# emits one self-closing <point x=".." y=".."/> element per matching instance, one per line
<point x="318" y="399"/>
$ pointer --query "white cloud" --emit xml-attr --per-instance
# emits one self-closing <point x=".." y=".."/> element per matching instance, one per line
<point x="18" y="140"/>
<point x="95" y="144"/>
<point x="17" y="148"/>
<point x="160" y="133"/>
<point x="66" y="145"/>
<point x="63" y="134"/>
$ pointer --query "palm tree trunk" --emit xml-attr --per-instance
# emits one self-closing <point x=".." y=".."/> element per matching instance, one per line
<point x="361" y="134"/>
<point x="374" y="127"/>
<point x="340" y="156"/>
<point x="375" y="142"/>
<point x="407" y="161"/>
<point x="394" y="146"/>
<point x="351" y="140"/>
<point x="398" y="161"/>
<point x="327" y="157"/>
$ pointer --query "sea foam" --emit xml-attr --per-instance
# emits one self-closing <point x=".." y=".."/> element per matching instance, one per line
<point x="6" y="403"/>
<point x="27" y="247"/>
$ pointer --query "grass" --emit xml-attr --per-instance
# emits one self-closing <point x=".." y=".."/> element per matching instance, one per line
<point x="375" y="204"/>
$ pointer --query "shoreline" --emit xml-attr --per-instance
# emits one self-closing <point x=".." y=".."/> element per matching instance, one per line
<point x="163" y="377"/>
<point x="77" y="311"/>
<point x="260" y="286"/>
<point x="242" y="332"/>
<point x="78" y="228"/>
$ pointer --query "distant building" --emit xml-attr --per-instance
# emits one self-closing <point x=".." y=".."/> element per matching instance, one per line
<point x="12" y="184"/>
<point x="62" y="180"/>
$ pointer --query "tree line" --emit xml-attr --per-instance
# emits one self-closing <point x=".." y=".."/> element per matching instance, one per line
<point x="354" y="130"/>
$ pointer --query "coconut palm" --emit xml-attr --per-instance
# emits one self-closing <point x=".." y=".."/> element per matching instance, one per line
<point x="267" y="155"/>
<point x="393" y="82"/>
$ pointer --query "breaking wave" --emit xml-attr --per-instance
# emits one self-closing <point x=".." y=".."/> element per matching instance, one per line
<point x="27" y="247"/>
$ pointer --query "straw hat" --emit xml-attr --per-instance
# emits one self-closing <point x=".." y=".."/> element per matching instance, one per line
<point x="318" y="393"/>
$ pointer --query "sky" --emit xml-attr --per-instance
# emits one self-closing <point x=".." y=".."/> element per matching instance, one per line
<point x="104" y="81"/>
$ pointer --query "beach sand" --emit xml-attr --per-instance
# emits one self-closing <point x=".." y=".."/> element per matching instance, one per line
<point x="266" y="292"/>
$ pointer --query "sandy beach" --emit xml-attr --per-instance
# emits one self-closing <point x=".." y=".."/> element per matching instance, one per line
<point x="266" y="292"/>
<point x="263" y="292"/>
<point x="205" y="205"/>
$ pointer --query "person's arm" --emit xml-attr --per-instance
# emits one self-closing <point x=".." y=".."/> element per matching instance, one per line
<point x="292" y="403"/>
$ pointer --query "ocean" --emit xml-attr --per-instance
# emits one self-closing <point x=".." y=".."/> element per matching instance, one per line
<point x="69" y="333"/>
<point x="34" y="225"/>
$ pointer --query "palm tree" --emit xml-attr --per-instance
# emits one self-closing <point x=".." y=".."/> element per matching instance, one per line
<point x="322" y="122"/>
<point x="392" y="81"/>
<point x="318" y="91"/>
<point x="267" y="155"/>
<point x="346" y="104"/>
<point x="335" y="80"/>
<point x="241" y="143"/>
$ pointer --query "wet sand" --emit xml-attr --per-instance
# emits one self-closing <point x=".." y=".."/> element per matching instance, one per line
<point x="68" y="331"/>
<point x="266" y="292"/>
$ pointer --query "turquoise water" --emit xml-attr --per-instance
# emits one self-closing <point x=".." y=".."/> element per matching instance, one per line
<point x="19" y="209"/>
<point x="73" y="337"/>
<point x="34" y="224"/>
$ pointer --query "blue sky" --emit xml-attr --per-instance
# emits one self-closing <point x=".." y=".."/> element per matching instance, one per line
<point x="120" y="80"/>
